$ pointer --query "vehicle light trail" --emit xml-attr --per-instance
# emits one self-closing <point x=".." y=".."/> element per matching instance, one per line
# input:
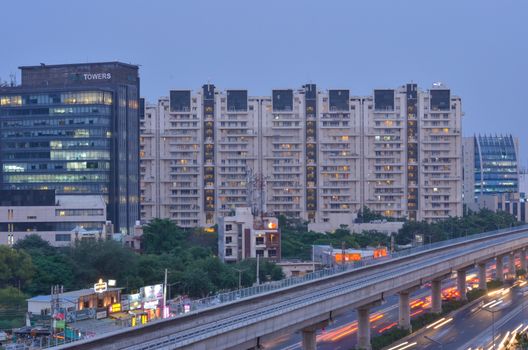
<point x="443" y="323"/>
<point x="386" y="328"/>
<point x="435" y="323"/>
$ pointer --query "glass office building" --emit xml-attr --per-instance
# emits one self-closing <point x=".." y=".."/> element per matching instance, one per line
<point x="74" y="128"/>
<point x="496" y="164"/>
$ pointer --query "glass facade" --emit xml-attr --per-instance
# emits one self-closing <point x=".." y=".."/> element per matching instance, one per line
<point x="62" y="130"/>
<point x="496" y="165"/>
<point x="54" y="144"/>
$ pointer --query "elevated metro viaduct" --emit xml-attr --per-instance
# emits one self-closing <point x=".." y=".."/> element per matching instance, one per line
<point x="245" y="323"/>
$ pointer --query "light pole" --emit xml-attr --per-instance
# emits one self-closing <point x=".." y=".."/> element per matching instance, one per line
<point x="435" y="342"/>
<point x="492" y="325"/>
<point x="239" y="276"/>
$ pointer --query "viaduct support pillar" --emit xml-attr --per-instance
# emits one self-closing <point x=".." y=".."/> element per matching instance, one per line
<point x="522" y="256"/>
<point x="461" y="284"/>
<point x="511" y="265"/>
<point x="363" y="333"/>
<point x="482" y="276"/>
<point x="308" y="339"/>
<point x="436" y="296"/>
<point x="499" y="268"/>
<point x="404" y="320"/>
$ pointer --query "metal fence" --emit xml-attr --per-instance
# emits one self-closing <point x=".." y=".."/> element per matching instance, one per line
<point x="221" y="298"/>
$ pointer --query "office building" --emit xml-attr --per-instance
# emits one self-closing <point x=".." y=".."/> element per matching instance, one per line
<point x="511" y="203"/>
<point x="74" y="128"/>
<point x="306" y="153"/>
<point x="60" y="220"/>
<point x="243" y="235"/>
<point x="491" y="166"/>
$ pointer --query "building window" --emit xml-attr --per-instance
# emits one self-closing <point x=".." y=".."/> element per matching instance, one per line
<point x="62" y="237"/>
<point x="259" y="240"/>
<point x="228" y="239"/>
<point x="229" y="252"/>
<point x="260" y="253"/>
<point x="272" y="253"/>
<point x="228" y="227"/>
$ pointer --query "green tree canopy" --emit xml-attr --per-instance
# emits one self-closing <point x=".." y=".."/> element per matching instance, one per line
<point x="16" y="268"/>
<point x="162" y="235"/>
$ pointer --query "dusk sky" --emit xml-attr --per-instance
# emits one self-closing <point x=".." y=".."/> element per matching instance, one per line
<point x="477" y="48"/>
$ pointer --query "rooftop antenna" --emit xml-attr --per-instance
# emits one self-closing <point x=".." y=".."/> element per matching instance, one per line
<point x="12" y="78"/>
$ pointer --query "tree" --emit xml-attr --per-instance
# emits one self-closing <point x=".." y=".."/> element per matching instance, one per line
<point x="101" y="259"/>
<point x="51" y="270"/>
<point x="34" y="244"/>
<point x="16" y="268"/>
<point x="162" y="236"/>
<point x="197" y="283"/>
<point x="12" y="308"/>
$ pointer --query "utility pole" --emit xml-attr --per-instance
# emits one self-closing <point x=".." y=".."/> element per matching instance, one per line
<point x="240" y="277"/>
<point x="258" y="277"/>
<point x="343" y="253"/>
<point x="313" y="258"/>
<point x="164" y="295"/>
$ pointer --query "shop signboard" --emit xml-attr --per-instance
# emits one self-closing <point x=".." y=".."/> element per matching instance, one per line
<point x="100" y="287"/>
<point x="101" y="314"/>
<point x="153" y="304"/>
<point x="114" y="308"/>
<point x="134" y="301"/>
<point x="149" y="293"/>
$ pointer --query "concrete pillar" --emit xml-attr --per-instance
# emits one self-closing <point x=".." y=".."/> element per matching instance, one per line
<point x="511" y="265"/>
<point x="308" y="339"/>
<point x="522" y="256"/>
<point x="363" y="333"/>
<point x="499" y="271"/>
<point x="436" y="296"/>
<point x="404" y="320"/>
<point x="461" y="284"/>
<point x="482" y="276"/>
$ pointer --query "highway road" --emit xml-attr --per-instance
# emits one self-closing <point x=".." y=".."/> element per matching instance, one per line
<point x="341" y="334"/>
<point x="319" y="292"/>
<point x="472" y="328"/>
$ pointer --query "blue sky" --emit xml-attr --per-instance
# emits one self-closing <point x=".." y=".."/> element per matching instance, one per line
<point x="479" y="48"/>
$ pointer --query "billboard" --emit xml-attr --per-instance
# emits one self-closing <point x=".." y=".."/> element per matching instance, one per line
<point x="154" y="292"/>
<point x="134" y="301"/>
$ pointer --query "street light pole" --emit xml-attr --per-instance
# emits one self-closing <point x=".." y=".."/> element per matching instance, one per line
<point x="239" y="276"/>
<point x="492" y="325"/>
<point x="165" y="296"/>
<point x="258" y="277"/>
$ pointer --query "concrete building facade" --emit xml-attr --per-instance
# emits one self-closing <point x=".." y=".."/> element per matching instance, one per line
<point x="304" y="153"/>
<point x="242" y="236"/>
<point x="60" y="220"/>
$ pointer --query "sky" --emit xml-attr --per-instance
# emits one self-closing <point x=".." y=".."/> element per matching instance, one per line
<point x="478" y="48"/>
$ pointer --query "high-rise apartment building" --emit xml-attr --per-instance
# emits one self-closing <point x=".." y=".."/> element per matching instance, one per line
<point x="74" y="128"/>
<point x="303" y="153"/>
<point x="491" y="165"/>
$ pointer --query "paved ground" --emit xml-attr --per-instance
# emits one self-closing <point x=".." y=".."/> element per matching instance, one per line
<point x="473" y="327"/>
<point x="342" y="333"/>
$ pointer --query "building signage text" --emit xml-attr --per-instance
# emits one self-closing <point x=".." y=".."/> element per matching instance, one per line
<point x="97" y="76"/>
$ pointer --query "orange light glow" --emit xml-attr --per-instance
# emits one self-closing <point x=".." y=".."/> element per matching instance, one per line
<point x="348" y="257"/>
<point x="380" y="252"/>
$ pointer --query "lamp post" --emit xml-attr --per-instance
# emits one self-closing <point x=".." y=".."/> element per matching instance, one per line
<point x="492" y="324"/>
<point x="239" y="276"/>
